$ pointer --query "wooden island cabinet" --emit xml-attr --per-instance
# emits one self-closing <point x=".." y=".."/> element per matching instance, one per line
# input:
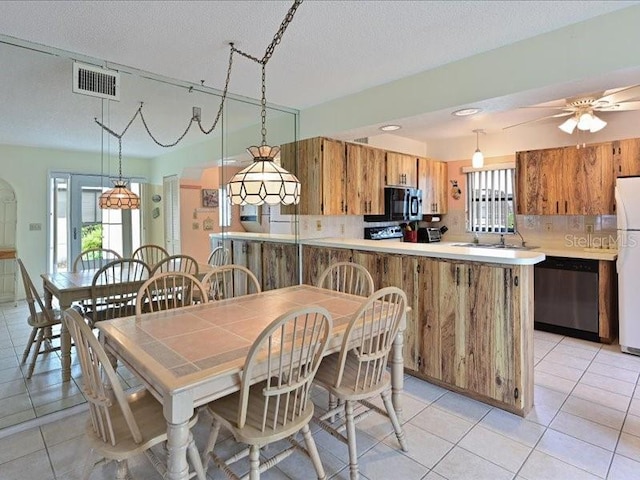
<point x="470" y="327"/>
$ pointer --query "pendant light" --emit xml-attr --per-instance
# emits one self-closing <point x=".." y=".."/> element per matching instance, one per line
<point x="119" y="197"/>
<point x="477" y="161"/>
<point x="263" y="181"/>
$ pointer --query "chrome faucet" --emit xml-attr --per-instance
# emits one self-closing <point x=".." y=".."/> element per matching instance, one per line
<point x="502" y="240"/>
<point x="475" y="238"/>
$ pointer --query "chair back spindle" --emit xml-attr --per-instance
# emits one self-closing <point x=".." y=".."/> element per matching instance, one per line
<point x="347" y="277"/>
<point x="230" y="281"/>
<point x="176" y="263"/>
<point x="100" y="383"/>
<point x="370" y="336"/>
<point x="165" y="291"/>
<point x="291" y="349"/>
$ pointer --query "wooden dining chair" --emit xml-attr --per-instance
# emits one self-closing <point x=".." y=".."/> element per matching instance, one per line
<point x="347" y="277"/>
<point x="230" y="281"/>
<point x="114" y="288"/>
<point x="120" y="425"/>
<point x="218" y="257"/>
<point x="176" y="263"/>
<point x="150" y="254"/>
<point x="359" y="371"/>
<point x="94" y="258"/>
<point x="41" y="320"/>
<point x="165" y="291"/>
<point x="273" y="402"/>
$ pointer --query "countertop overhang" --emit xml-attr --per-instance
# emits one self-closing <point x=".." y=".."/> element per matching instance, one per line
<point x="447" y="250"/>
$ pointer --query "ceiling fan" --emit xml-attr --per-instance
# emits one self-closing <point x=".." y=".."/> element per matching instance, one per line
<point x="582" y="110"/>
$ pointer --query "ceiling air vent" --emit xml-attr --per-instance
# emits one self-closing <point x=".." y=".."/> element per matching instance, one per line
<point x="361" y="140"/>
<point x="96" y="81"/>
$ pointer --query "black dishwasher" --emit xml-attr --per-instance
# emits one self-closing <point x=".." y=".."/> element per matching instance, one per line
<point x="566" y="297"/>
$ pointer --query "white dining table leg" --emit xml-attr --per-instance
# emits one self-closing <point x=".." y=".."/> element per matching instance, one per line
<point x="178" y="410"/>
<point x="397" y="373"/>
<point x="177" y="442"/>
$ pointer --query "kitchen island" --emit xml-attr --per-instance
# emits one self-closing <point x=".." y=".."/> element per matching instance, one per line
<point x="470" y="328"/>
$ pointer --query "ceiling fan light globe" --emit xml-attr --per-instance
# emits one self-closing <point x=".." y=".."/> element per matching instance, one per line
<point x="477" y="161"/>
<point x="597" y="124"/>
<point x="569" y="125"/>
<point x="585" y="121"/>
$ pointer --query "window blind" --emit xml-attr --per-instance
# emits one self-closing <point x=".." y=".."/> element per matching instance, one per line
<point x="490" y="206"/>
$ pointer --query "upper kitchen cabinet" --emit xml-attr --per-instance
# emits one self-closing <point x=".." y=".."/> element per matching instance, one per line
<point x="365" y="172"/>
<point x="432" y="180"/>
<point x="566" y="181"/>
<point x="402" y="170"/>
<point x="320" y="166"/>
<point x="626" y="154"/>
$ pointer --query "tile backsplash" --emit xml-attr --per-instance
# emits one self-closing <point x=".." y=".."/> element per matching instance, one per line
<point x="561" y="231"/>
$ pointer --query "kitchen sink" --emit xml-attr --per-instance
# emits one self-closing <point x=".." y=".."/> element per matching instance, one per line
<point x="494" y="245"/>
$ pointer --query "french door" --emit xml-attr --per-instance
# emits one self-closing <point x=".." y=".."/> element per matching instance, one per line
<point x="78" y="223"/>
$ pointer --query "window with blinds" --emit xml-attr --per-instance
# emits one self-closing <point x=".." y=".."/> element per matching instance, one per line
<point x="490" y="201"/>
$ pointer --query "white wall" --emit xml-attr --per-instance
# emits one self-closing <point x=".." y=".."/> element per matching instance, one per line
<point x="27" y="169"/>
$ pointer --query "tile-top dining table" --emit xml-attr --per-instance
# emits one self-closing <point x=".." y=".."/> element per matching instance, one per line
<point x="190" y="356"/>
<point x="70" y="287"/>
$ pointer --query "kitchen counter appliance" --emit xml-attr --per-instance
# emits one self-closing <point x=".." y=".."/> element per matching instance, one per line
<point x="566" y="297"/>
<point x="429" y="235"/>
<point x="400" y="204"/>
<point x="627" y="195"/>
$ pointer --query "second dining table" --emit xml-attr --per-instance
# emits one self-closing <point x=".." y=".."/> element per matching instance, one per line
<point x="190" y="356"/>
<point x="70" y="287"/>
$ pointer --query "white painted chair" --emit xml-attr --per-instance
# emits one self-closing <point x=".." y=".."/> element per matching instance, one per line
<point x="114" y="289"/>
<point x="347" y="277"/>
<point x="165" y="291"/>
<point x="120" y="425"/>
<point x="176" y="263"/>
<point x="150" y="254"/>
<point x="218" y="257"/>
<point x="273" y="402"/>
<point x="359" y="371"/>
<point x="230" y="281"/>
<point x="41" y="320"/>
<point x="94" y="258"/>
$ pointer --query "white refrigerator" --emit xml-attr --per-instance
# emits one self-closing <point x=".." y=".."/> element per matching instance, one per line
<point x="627" y="195"/>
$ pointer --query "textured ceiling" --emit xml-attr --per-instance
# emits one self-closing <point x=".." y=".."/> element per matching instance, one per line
<point x="331" y="49"/>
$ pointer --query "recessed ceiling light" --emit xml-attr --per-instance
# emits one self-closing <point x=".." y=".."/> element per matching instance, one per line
<point x="465" y="112"/>
<point x="390" y="128"/>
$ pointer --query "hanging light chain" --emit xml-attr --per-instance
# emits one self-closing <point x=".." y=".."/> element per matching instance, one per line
<point x="120" y="158"/>
<point x="263" y="113"/>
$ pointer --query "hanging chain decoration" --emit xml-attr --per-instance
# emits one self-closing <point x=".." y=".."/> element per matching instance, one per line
<point x="196" y="117"/>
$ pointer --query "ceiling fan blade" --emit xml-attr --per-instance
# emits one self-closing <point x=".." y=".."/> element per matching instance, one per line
<point x="550" y="107"/>
<point x="620" y="107"/>
<point x="623" y="95"/>
<point x="557" y="115"/>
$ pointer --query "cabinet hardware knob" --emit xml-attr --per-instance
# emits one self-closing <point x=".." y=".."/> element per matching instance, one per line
<point x="457" y="276"/>
<point x="516" y="281"/>
<point x="516" y="393"/>
<point x="469" y="271"/>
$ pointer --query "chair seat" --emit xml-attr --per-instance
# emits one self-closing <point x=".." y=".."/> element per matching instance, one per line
<point x="110" y="312"/>
<point x="226" y="409"/>
<point x="150" y="419"/>
<point x="40" y="320"/>
<point x="328" y="372"/>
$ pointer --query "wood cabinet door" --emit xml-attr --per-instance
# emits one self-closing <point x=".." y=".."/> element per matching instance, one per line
<point x="627" y="155"/>
<point x="304" y="159"/>
<point x="365" y="172"/>
<point x="539" y="182"/>
<point x="316" y="260"/>
<point x="490" y="339"/>
<point x="432" y="180"/>
<point x="427" y="318"/>
<point x="248" y="254"/>
<point x="440" y="187"/>
<point x="279" y="265"/>
<point x="334" y="179"/>
<point x="588" y="180"/>
<point x="372" y="262"/>
<point x="401" y="170"/>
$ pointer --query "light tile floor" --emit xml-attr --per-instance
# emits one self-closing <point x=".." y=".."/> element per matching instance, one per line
<point x="585" y="424"/>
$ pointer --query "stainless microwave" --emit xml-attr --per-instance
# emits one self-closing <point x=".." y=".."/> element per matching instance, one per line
<point x="400" y="204"/>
